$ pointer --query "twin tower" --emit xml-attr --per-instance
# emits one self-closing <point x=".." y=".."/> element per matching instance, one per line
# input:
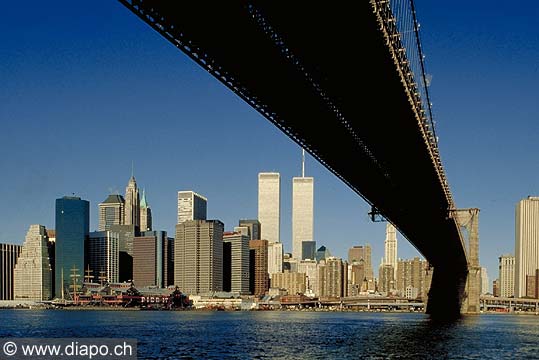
<point x="269" y="210"/>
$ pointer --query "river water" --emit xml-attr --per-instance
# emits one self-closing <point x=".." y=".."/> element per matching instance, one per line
<point x="288" y="334"/>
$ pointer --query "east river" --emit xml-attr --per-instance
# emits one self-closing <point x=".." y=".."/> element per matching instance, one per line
<point x="288" y="334"/>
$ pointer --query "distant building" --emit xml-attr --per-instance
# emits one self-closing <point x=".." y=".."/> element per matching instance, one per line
<point x="151" y="259"/>
<point x="51" y="244"/>
<point x="9" y="253"/>
<point x="132" y="203"/>
<point x="526" y="243"/>
<point x="410" y="279"/>
<point x="126" y="236"/>
<point x="485" y="284"/>
<point x="496" y="288"/>
<point x="322" y="253"/>
<point x="357" y="281"/>
<point x="308" y="250"/>
<point x="145" y="214"/>
<point x="198" y="256"/>
<point x="191" y="206"/>
<point x="333" y="278"/>
<point x="390" y="244"/>
<point x="33" y="272"/>
<point x="258" y="267"/>
<point x="507" y="275"/>
<point x="103" y="256"/>
<point x="302" y="214"/>
<point x="254" y="228"/>
<point x="293" y="282"/>
<point x="386" y="280"/>
<point x="310" y="269"/>
<point x="275" y="258"/>
<point x="72" y="229"/>
<point x="111" y="212"/>
<point x="236" y="262"/>
<point x="362" y="253"/>
<point x="269" y="206"/>
<point x="170" y="261"/>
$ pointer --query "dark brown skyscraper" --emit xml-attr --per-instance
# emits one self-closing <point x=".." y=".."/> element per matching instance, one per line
<point x="258" y="267"/>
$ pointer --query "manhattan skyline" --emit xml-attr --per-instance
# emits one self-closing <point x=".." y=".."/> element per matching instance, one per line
<point x="87" y="91"/>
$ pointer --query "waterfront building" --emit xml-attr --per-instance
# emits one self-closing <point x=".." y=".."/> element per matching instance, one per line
<point x="72" y="229"/>
<point x="236" y="262"/>
<point x="302" y="214"/>
<point x="170" y="261"/>
<point x="151" y="259"/>
<point x="293" y="282"/>
<point x="390" y="247"/>
<point x="145" y="214"/>
<point x="111" y="212"/>
<point x="269" y="206"/>
<point x="308" y="250"/>
<point x="333" y="277"/>
<point x="357" y="281"/>
<point x="362" y="253"/>
<point x="275" y="258"/>
<point x="191" y="206"/>
<point x="485" y="284"/>
<point x="258" y="267"/>
<point x="132" y="203"/>
<point x="32" y="277"/>
<point x="198" y="256"/>
<point x="51" y="244"/>
<point x="253" y="226"/>
<point x="410" y="279"/>
<point x="103" y="256"/>
<point x="526" y="243"/>
<point x="507" y="275"/>
<point x="9" y="253"/>
<point x="310" y="268"/>
<point x="322" y="253"/>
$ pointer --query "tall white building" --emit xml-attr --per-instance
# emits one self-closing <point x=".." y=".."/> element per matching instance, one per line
<point x="269" y="205"/>
<point x="191" y="206"/>
<point x="526" y="242"/>
<point x="33" y="273"/>
<point x="310" y="269"/>
<point x="485" y="285"/>
<point x="390" y="245"/>
<point x="302" y="211"/>
<point x="507" y="275"/>
<point x="275" y="258"/>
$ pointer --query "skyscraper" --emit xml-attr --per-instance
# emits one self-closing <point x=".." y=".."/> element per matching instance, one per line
<point x="308" y="250"/>
<point x="310" y="269"/>
<point x="145" y="214"/>
<point x="33" y="272"/>
<point x="526" y="243"/>
<point x="275" y="258"/>
<point x="302" y="211"/>
<point x="258" y="267"/>
<point x="132" y="203"/>
<point x="111" y="212"/>
<point x="103" y="256"/>
<point x="9" y="254"/>
<point x="362" y="252"/>
<point x="191" y="206"/>
<point x="198" y="256"/>
<point x="507" y="275"/>
<point x="410" y="281"/>
<point x="269" y="206"/>
<point x="151" y="259"/>
<point x="72" y="229"/>
<point x="390" y="254"/>
<point x="236" y="262"/>
<point x="333" y="277"/>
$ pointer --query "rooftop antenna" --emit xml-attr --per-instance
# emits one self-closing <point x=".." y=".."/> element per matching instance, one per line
<point x="132" y="168"/>
<point x="302" y="162"/>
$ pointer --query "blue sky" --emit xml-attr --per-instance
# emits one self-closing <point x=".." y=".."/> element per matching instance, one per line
<point x="86" y="90"/>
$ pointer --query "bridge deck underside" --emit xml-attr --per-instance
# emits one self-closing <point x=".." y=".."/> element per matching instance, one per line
<point x="324" y="75"/>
